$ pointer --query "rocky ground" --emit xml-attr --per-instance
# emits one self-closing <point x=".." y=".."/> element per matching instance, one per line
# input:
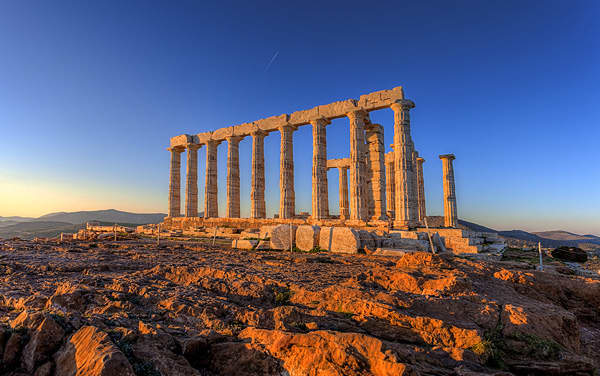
<point x="132" y="308"/>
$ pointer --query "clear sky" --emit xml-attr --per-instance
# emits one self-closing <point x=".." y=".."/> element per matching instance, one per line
<point x="91" y="92"/>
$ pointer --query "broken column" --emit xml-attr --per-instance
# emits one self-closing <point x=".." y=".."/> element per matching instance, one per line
<point x="233" y="177"/>
<point x="320" y="199"/>
<point x="405" y="210"/>
<point x="287" y="196"/>
<point x="191" y="185"/>
<point x="175" y="182"/>
<point x="390" y="191"/>
<point x="358" y="210"/>
<point x="211" y="204"/>
<point x="421" y="190"/>
<point x="450" y="215"/>
<point x="376" y="174"/>
<point x="257" y="192"/>
<point x="344" y="209"/>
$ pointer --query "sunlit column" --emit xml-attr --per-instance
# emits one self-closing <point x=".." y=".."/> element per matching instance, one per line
<point x="344" y="211"/>
<point x="421" y="190"/>
<point x="450" y="214"/>
<point x="287" y="196"/>
<point x="320" y="199"/>
<point x="211" y="203"/>
<point x="257" y="192"/>
<point x="191" y="185"/>
<point x="376" y="174"/>
<point x="175" y="182"/>
<point x="233" y="177"/>
<point x="358" y="209"/>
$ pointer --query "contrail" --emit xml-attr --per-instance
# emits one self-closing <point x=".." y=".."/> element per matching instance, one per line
<point x="272" y="60"/>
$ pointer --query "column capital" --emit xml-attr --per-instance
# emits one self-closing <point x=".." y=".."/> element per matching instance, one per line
<point x="193" y="146"/>
<point x="420" y="160"/>
<point x="259" y="132"/>
<point x="213" y="142"/>
<point x="358" y="113"/>
<point x="234" y="139"/>
<point x="288" y="127"/>
<point x="447" y="156"/>
<point x="176" y="149"/>
<point x="402" y="105"/>
<point x="320" y="121"/>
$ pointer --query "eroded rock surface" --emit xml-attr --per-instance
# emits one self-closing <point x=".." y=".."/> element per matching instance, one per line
<point x="132" y="308"/>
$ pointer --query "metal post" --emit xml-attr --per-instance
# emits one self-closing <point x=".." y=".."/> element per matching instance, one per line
<point x="429" y="235"/>
<point x="158" y="236"/>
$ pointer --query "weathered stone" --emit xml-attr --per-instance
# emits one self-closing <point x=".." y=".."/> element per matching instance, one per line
<point x="45" y="369"/>
<point x="422" y="213"/>
<point x="44" y="341"/>
<point x="358" y="202"/>
<point x="438" y="243"/>
<point x="12" y="349"/>
<point x="450" y="215"/>
<point x="175" y="182"/>
<point x="376" y="172"/>
<point x="287" y="195"/>
<point x="320" y="199"/>
<point x="90" y="352"/>
<point x="243" y="243"/>
<point x="257" y="192"/>
<point x="339" y="239"/>
<point x="211" y="200"/>
<point x="191" y="186"/>
<point x="233" y="177"/>
<point x="280" y="236"/>
<point x="344" y="204"/>
<point x="307" y="237"/>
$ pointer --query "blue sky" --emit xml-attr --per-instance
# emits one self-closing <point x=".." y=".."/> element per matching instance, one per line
<point x="91" y="92"/>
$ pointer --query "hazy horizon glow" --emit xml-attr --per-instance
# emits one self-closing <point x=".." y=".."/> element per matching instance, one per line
<point x="90" y="94"/>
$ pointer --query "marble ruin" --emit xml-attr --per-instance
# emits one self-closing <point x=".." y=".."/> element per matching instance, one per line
<point x="376" y="189"/>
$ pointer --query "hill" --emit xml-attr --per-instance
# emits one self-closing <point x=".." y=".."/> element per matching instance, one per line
<point x="109" y="215"/>
<point x="30" y="230"/>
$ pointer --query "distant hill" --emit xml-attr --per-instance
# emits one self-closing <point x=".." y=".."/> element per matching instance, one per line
<point x="110" y="215"/>
<point x="30" y="230"/>
<point x="564" y="235"/>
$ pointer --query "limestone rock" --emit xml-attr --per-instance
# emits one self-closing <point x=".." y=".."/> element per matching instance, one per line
<point x="44" y="341"/>
<point x="570" y="254"/>
<point x="307" y="237"/>
<point x="438" y="243"/>
<point x="243" y="243"/>
<point x="68" y="297"/>
<point x="280" y="236"/>
<point x="90" y="352"/>
<point x="339" y="239"/>
<point x="12" y="350"/>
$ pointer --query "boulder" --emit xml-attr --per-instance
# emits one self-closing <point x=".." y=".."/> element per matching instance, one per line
<point x="438" y="243"/>
<point x="69" y="297"/>
<point x="280" y="236"/>
<point x="265" y="231"/>
<point x="307" y="237"/>
<point x="339" y="239"/>
<point x="390" y="252"/>
<point x="12" y="349"/>
<point x="44" y="341"/>
<point x="27" y="319"/>
<point x="90" y="352"/>
<point x="573" y="254"/>
<point x="243" y="243"/>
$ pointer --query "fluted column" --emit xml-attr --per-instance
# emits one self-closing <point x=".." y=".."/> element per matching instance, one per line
<point x="415" y="181"/>
<point x="344" y="212"/>
<point x="421" y="190"/>
<point x="175" y="182"/>
<point x="320" y="198"/>
<point x="233" y="177"/>
<point x="191" y="185"/>
<point x="358" y="202"/>
<point x="376" y="171"/>
<point x="450" y="214"/>
<point x="390" y="184"/>
<point x="406" y="202"/>
<point x="257" y="192"/>
<point x="211" y="203"/>
<point x="287" y="196"/>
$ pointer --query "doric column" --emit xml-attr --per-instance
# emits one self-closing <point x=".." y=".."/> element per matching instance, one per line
<point x="450" y="215"/>
<point x="376" y="171"/>
<point x="320" y="198"/>
<point x="421" y="190"/>
<point x="415" y="189"/>
<point x="233" y="177"/>
<point x="406" y="202"/>
<point x="191" y="185"/>
<point x="211" y="203"/>
<point x="175" y="182"/>
<point x="390" y="184"/>
<point x="257" y="192"/>
<point x="287" y="196"/>
<point x="358" y="202"/>
<point x="344" y="212"/>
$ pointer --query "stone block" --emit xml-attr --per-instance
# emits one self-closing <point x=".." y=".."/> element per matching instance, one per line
<point x="280" y="236"/>
<point x="265" y="231"/>
<point x="243" y="244"/>
<point x="307" y="237"/>
<point x="438" y="243"/>
<point x="339" y="239"/>
<point x="392" y="252"/>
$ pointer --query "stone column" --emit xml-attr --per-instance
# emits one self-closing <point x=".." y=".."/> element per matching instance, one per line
<point x="358" y="209"/>
<point x="233" y="177"/>
<point x="390" y="184"/>
<point x="421" y="190"/>
<point x="376" y="175"/>
<point x="175" y="182"/>
<point x="211" y="203"/>
<point x="344" y="212"/>
<point x="405" y="210"/>
<point x="257" y="192"/>
<point x="191" y="185"/>
<point x="415" y="189"/>
<point x="450" y="215"/>
<point x="287" y="196"/>
<point x="320" y="198"/>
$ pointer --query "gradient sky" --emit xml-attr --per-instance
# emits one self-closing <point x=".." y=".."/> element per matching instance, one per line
<point x="91" y="92"/>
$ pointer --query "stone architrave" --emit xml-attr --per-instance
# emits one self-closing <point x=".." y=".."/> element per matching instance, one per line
<point x="421" y="190"/>
<point x="344" y="208"/>
<point x="287" y="198"/>
<point x="320" y="198"/>
<point x="233" y="177"/>
<point x="211" y="203"/>
<point x="191" y="185"/>
<point x="406" y="202"/>
<point x="450" y="214"/>
<point x="175" y="182"/>
<point x="358" y="202"/>
<point x="376" y="172"/>
<point x="257" y="192"/>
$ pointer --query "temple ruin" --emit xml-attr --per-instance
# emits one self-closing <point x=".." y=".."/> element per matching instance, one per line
<point x="376" y="190"/>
